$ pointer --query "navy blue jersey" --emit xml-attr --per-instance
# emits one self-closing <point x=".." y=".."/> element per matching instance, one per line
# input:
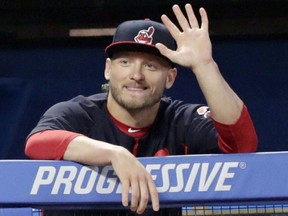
<point x="177" y="125"/>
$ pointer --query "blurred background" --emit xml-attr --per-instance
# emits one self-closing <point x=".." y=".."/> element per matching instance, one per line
<point x="53" y="50"/>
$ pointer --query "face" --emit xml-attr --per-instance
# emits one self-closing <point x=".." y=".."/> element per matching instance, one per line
<point x="138" y="80"/>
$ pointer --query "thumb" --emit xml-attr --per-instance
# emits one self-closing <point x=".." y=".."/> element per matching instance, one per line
<point x="165" y="51"/>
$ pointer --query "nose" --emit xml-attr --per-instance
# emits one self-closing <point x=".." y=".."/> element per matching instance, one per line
<point x="137" y="73"/>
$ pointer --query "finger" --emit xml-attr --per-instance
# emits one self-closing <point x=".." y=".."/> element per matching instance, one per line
<point x="191" y="16"/>
<point x="144" y="193"/>
<point x="181" y="18"/>
<point x="204" y="19"/>
<point x="172" y="28"/>
<point x="135" y="194"/>
<point x="153" y="194"/>
<point x="125" y="193"/>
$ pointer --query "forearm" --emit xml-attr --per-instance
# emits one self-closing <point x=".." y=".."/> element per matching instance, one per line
<point x="89" y="151"/>
<point x="66" y="145"/>
<point x="224" y="103"/>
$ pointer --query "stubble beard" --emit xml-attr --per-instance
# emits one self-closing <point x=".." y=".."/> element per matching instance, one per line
<point x="134" y="105"/>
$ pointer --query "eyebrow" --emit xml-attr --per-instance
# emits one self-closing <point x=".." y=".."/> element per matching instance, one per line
<point x="152" y="58"/>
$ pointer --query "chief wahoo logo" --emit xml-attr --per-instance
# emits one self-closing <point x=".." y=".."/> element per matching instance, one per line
<point x="145" y="36"/>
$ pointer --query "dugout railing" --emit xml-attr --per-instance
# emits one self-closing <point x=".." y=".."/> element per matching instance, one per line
<point x="221" y="184"/>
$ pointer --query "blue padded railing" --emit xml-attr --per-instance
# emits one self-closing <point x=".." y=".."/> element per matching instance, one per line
<point x="192" y="180"/>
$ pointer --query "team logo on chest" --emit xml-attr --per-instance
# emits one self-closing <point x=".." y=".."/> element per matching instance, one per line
<point x="145" y="36"/>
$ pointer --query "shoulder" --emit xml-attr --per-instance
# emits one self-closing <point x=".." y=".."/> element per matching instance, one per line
<point x="94" y="99"/>
<point x="79" y="104"/>
<point x="170" y="105"/>
<point x="180" y="109"/>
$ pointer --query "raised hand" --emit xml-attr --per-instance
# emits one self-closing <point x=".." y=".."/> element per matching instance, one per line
<point x="193" y="43"/>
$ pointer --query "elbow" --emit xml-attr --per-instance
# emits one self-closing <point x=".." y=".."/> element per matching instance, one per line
<point x="251" y="146"/>
<point x="49" y="144"/>
<point x="37" y="147"/>
<point x="247" y="143"/>
<point x="31" y="148"/>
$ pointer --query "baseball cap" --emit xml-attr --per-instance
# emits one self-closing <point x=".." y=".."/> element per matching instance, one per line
<point x="141" y="35"/>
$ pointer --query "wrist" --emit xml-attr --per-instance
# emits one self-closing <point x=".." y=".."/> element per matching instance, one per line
<point x="204" y="66"/>
<point x="116" y="153"/>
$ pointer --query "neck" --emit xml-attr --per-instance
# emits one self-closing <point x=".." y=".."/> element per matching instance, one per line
<point x="137" y="118"/>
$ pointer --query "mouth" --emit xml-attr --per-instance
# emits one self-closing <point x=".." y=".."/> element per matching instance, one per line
<point x="136" y="88"/>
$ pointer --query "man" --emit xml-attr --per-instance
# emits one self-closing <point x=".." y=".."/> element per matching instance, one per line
<point x="134" y="120"/>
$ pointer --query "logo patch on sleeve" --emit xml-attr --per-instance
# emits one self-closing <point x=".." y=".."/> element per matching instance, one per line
<point x="204" y="111"/>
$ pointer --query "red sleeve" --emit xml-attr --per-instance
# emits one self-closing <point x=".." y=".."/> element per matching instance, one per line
<point x="240" y="137"/>
<point x="49" y="144"/>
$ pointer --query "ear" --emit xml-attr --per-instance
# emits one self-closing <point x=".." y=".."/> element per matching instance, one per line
<point x="172" y="74"/>
<point x="107" y="69"/>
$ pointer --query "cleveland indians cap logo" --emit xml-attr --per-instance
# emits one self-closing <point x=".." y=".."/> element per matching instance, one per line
<point x="145" y="36"/>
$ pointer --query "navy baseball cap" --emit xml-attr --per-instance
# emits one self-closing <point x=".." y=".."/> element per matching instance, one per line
<point x="141" y="36"/>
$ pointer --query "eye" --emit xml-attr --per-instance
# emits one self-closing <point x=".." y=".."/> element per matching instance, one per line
<point x="124" y="62"/>
<point x="151" y="66"/>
